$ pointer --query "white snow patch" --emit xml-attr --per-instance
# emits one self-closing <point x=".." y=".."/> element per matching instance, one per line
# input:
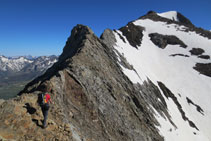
<point x="172" y="15"/>
<point x="183" y="133"/>
<point x="132" y="75"/>
<point x="122" y="47"/>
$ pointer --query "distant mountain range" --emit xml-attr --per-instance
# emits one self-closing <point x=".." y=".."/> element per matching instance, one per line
<point x="16" y="64"/>
<point x="20" y="70"/>
<point x="23" y="67"/>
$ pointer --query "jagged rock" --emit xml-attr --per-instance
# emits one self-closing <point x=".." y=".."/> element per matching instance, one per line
<point x="108" y="38"/>
<point x="198" y="108"/>
<point x="179" y="55"/>
<point x="163" y="40"/>
<point x="204" y="56"/>
<point x="183" y="19"/>
<point x="196" y="51"/>
<point x="204" y="69"/>
<point x="135" y="35"/>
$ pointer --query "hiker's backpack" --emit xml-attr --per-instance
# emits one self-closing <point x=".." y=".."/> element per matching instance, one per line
<point x="44" y="101"/>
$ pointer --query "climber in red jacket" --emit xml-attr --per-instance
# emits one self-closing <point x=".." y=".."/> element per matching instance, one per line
<point x="45" y="107"/>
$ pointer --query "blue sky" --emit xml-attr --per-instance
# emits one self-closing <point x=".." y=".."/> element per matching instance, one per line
<point x="41" y="27"/>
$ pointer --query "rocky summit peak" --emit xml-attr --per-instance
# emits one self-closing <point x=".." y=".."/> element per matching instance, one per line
<point x="78" y="34"/>
<point x="175" y="16"/>
<point x="80" y="30"/>
<point x="169" y="17"/>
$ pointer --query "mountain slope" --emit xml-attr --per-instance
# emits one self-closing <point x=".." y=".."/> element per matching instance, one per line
<point x="176" y="67"/>
<point x="149" y="80"/>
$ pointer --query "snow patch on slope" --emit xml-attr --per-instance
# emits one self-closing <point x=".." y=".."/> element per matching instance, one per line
<point x="172" y="15"/>
<point x="122" y="47"/>
<point x="184" y="132"/>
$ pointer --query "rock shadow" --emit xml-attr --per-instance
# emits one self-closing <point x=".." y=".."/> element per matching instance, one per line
<point x="31" y="110"/>
<point x="37" y="122"/>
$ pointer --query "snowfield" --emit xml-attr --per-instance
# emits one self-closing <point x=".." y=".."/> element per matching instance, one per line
<point x="172" y="15"/>
<point x="177" y="73"/>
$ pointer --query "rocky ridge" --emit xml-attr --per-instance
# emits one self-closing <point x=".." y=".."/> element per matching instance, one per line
<point x="91" y="95"/>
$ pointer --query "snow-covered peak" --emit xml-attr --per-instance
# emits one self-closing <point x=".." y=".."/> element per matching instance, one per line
<point x="173" y="65"/>
<point x="16" y="64"/>
<point x="3" y="58"/>
<point x="13" y="64"/>
<point x="22" y="59"/>
<point x="172" y="15"/>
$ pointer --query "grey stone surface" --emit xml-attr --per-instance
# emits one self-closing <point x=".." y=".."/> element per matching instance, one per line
<point x="1" y="101"/>
<point x="88" y="82"/>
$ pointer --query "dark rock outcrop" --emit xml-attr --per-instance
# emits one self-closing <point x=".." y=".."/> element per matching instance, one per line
<point x="196" y="51"/>
<point x="151" y="93"/>
<point x="178" y="54"/>
<point x="198" y="108"/>
<point x="183" y="19"/>
<point x="204" y="56"/>
<point x="163" y="40"/>
<point x="133" y="34"/>
<point x="204" y="69"/>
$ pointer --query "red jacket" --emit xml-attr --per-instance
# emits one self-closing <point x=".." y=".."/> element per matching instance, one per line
<point x="47" y="98"/>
